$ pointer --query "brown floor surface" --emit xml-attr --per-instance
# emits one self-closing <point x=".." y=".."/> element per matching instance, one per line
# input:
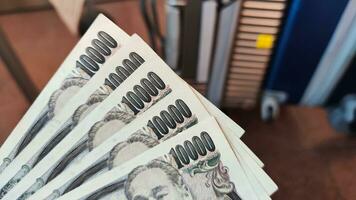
<point x="302" y="153"/>
<point x="306" y="158"/>
<point x="12" y="103"/>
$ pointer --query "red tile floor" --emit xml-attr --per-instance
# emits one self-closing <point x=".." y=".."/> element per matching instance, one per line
<point x="301" y="152"/>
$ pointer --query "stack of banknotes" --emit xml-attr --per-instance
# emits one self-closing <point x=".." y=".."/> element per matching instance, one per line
<point x="115" y="122"/>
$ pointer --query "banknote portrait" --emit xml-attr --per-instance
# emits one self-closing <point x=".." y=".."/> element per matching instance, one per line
<point x="83" y="110"/>
<point x="56" y="102"/>
<point x="113" y="121"/>
<point x="61" y="96"/>
<point x="156" y="180"/>
<point x="133" y="146"/>
<point x="161" y="180"/>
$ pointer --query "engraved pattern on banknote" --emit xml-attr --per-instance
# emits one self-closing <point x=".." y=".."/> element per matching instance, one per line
<point x="9" y="185"/>
<point x="117" y="116"/>
<point x="177" y="117"/>
<point x="176" y="176"/>
<point x="79" y="114"/>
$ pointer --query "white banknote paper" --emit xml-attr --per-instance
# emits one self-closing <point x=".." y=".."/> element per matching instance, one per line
<point x="134" y="97"/>
<point x="163" y="72"/>
<point x="101" y="158"/>
<point x="193" y="165"/>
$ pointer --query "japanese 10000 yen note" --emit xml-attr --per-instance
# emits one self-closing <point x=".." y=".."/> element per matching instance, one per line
<point x="99" y="43"/>
<point x="92" y="165"/>
<point x="196" y="164"/>
<point x="144" y="48"/>
<point x="116" y="70"/>
<point x="97" y="160"/>
<point x="232" y="129"/>
<point x="172" y="115"/>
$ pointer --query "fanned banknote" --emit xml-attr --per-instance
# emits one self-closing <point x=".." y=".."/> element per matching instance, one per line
<point x="171" y="116"/>
<point x="99" y="43"/>
<point x="196" y="164"/>
<point x="114" y="105"/>
<point x="39" y="173"/>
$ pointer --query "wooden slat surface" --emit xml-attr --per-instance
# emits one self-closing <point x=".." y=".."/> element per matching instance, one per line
<point x="260" y="21"/>
<point x="252" y="51"/>
<point x="248" y="77"/>
<point x="258" y="29"/>
<point x="259" y="65"/>
<point x="264" y="5"/>
<point x="236" y="83"/>
<point x="262" y="13"/>
<point x="244" y="70"/>
<point x="248" y="62"/>
<point x="250" y="58"/>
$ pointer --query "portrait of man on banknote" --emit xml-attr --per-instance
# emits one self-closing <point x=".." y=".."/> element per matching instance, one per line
<point x="161" y="180"/>
<point x="133" y="146"/>
<point x="113" y="121"/>
<point x="156" y="180"/>
<point x="56" y="102"/>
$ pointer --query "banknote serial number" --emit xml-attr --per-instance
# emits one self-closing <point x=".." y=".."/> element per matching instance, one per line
<point x="96" y="53"/>
<point x="190" y="150"/>
<point x="144" y="92"/>
<point x="170" y="118"/>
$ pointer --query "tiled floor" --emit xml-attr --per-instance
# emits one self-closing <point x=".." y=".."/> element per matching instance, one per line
<point x="306" y="158"/>
<point x="302" y="153"/>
